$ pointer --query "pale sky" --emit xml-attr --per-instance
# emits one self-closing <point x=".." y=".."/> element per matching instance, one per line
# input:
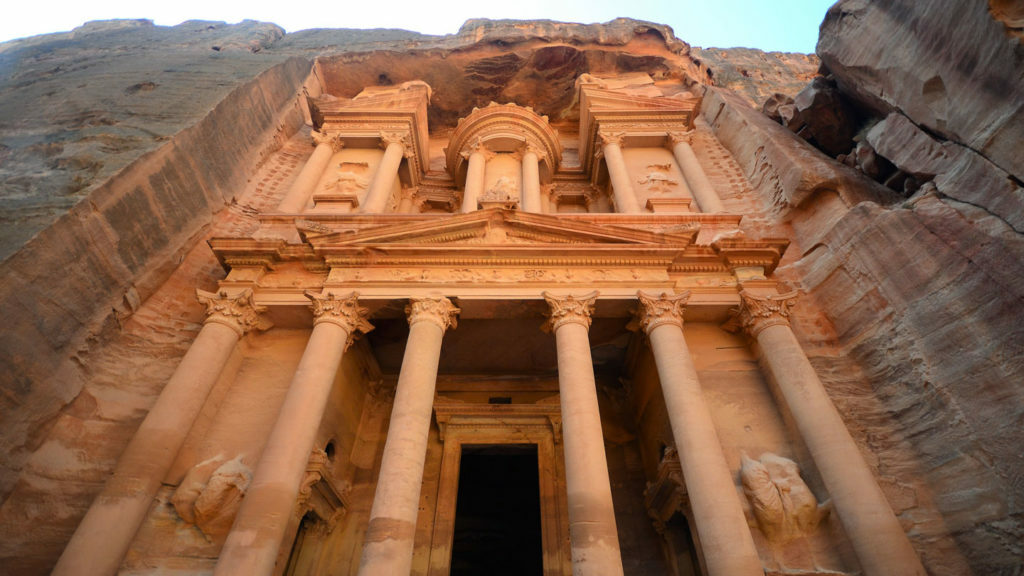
<point x="789" y="25"/>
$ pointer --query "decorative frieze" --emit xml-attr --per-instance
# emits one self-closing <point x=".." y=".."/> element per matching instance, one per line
<point x="238" y="311"/>
<point x="569" y="309"/>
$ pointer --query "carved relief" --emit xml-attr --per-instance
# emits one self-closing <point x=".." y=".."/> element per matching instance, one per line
<point x="783" y="505"/>
<point x="569" y="310"/>
<point x="759" y="312"/>
<point x="210" y="494"/>
<point x="504" y="193"/>
<point x="350" y="178"/>
<point x="238" y="312"/>
<point x="657" y="181"/>
<point x="439" y="311"/>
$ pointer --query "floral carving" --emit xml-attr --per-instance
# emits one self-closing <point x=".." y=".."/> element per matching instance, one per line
<point x="401" y="138"/>
<point x="238" y="312"/>
<point x="568" y="310"/>
<point x="344" y="312"/>
<point x="440" y="311"/>
<point x="677" y="137"/>
<point x="658" y="310"/>
<point x="759" y="312"/>
<point x="611" y="137"/>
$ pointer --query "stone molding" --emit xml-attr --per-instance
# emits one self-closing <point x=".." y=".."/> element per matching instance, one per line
<point x="324" y="138"/>
<point x="759" y="312"/>
<point x="238" y="312"/>
<point x="344" y="312"/>
<point x="569" y="310"/>
<point x="439" y="311"/>
<point x="660" y="310"/>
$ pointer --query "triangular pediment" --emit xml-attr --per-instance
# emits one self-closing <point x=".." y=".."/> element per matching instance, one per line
<point x="602" y="99"/>
<point x="500" y="227"/>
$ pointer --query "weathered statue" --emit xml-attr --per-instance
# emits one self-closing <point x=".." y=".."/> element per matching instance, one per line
<point x="785" y="508"/>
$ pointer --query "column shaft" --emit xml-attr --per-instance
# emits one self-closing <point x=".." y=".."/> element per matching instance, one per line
<point x="302" y="188"/>
<point x="103" y="537"/>
<point x="622" y="189"/>
<point x="881" y="545"/>
<point x="592" y="529"/>
<point x="724" y="535"/>
<point x="384" y="178"/>
<point x="474" y="181"/>
<point x="696" y="179"/>
<point x="388" y="543"/>
<point x="531" y="182"/>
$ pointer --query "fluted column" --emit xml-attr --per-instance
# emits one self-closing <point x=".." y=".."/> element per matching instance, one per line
<point x="592" y="530"/>
<point x="721" y="525"/>
<point x="298" y="195"/>
<point x="388" y="543"/>
<point x="622" y="188"/>
<point x="474" y="178"/>
<point x="696" y="179"/>
<point x="252" y="546"/>
<point x="531" y="180"/>
<point x="877" y="537"/>
<point x="395" y="147"/>
<point x="105" y="534"/>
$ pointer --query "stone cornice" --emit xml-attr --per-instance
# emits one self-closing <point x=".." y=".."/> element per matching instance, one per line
<point x="759" y="312"/>
<point x="569" y="310"/>
<point x="236" y="311"/>
<point x="659" y="310"/>
<point x="342" y="311"/>
<point x="438" y="311"/>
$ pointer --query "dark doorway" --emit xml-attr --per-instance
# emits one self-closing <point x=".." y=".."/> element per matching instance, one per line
<point x="497" y="512"/>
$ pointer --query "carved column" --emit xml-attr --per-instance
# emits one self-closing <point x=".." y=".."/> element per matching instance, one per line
<point x="252" y="546"/>
<point x="592" y="530"/>
<point x="622" y="188"/>
<point x="696" y="179"/>
<point x="105" y="534"/>
<point x="474" y="178"/>
<point x="724" y="536"/>
<point x="388" y="543"/>
<point x="531" y="180"/>
<point x="300" y="191"/>
<point x="395" y="147"/>
<point x="881" y="545"/>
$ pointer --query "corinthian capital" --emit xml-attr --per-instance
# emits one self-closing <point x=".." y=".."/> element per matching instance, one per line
<point x="759" y="312"/>
<point x="610" y="137"/>
<point x="344" y="312"/>
<point x="568" y="310"/>
<point x="388" y="138"/>
<point x="238" y="311"/>
<point x="680" y="136"/>
<point x="333" y="139"/>
<point x="440" y="311"/>
<point x="657" y="310"/>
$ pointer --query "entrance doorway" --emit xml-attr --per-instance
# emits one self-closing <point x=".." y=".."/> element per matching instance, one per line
<point x="498" y="512"/>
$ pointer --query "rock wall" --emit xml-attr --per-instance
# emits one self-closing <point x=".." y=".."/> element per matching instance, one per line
<point x="916" y="283"/>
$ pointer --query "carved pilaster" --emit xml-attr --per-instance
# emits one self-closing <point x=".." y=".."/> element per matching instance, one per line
<point x="569" y="309"/>
<point x="759" y="312"/>
<point x="677" y="136"/>
<point x="440" y="311"/>
<point x="344" y="312"/>
<point x="238" y="312"/>
<point x="333" y="139"/>
<point x="657" y="310"/>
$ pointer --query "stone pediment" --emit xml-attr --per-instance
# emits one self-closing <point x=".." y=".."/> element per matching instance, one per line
<point x="501" y="227"/>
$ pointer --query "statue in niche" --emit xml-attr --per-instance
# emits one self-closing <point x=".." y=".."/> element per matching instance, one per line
<point x="504" y="193"/>
<point x="657" y="181"/>
<point x="350" y="178"/>
<point x="784" y="507"/>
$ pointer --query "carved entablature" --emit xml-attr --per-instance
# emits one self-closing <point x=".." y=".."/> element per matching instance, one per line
<point x="616" y="111"/>
<point x="378" y="116"/>
<point x="544" y="415"/>
<point x="503" y="128"/>
<point x="750" y="259"/>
